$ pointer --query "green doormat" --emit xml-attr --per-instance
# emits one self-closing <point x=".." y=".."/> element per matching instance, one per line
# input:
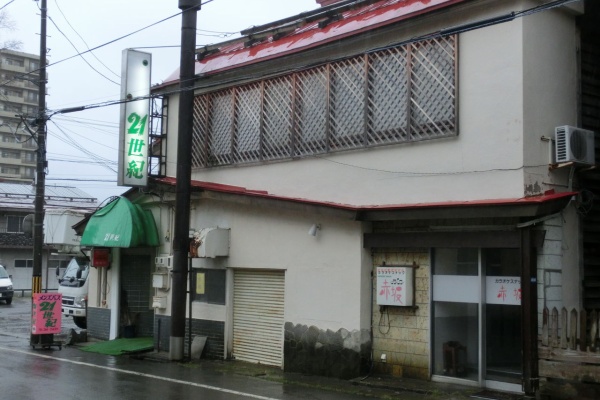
<point x="121" y="346"/>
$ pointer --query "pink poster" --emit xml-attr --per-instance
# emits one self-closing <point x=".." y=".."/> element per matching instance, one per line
<point x="46" y="313"/>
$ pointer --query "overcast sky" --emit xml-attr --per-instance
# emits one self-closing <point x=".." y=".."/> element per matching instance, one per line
<point x="79" y="143"/>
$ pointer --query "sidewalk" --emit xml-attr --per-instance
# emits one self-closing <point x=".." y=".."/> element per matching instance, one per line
<point x="382" y="387"/>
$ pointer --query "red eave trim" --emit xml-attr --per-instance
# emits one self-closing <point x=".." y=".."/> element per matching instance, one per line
<point x="217" y="187"/>
<point x="308" y="38"/>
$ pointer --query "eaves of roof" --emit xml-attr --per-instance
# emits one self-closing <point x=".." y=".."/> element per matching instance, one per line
<point x="236" y="53"/>
<point x="531" y="206"/>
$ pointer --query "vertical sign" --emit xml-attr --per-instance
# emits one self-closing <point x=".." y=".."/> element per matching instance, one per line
<point x="395" y="286"/>
<point x="46" y="313"/>
<point x="135" y="117"/>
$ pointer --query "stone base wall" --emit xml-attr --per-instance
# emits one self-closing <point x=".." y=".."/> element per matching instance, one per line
<point x="402" y="333"/>
<point x="342" y="354"/>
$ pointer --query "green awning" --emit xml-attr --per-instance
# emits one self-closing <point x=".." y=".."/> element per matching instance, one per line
<point x="120" y="224"/>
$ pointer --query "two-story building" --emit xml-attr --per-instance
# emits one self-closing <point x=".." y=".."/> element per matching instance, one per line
<point x="395" y="186"/>
<point x="16" y="246"/>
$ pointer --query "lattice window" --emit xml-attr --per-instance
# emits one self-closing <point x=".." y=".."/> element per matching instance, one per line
<point x="277" y="118"/>
<point x="396" y="95"/>
<point x="432" y="82"/>
<point x="200" y="131"/>
<point x="247" y="123"/>
<point x="311" y="111"/>
<point x="388" y="97"/>
<point x="220" y="128"/>
<point x="347" y="104"/>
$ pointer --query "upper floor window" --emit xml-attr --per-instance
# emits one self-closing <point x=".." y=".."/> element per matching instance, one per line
<point x="14" y="223"/>
<point x="9" y="139"/>
<point x="14" y="61"/>
<point x="12" y="92"/>
<point x="12" y="107"/>
<point x="10" y="154"/>
<point x="31" y="96"/>
<point x="400" y="94"/>
<point x="34" y="65"/>
<point x="24" y="263"/>
<point x="9" y="170"/>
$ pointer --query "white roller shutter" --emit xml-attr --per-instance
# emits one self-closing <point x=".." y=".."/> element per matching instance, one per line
<point x="258" y="307"/>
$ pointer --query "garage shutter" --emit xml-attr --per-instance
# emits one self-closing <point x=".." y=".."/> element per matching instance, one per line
<point x="258" y="304"/>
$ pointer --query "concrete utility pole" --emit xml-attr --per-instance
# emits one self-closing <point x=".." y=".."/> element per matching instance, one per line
<point x="184" y="175"/>
<point x="38" y="220"/>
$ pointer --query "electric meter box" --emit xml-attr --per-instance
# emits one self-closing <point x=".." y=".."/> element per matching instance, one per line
<point x="160" y="280"/>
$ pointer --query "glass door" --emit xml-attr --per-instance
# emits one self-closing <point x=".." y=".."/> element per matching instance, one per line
<point x="503" y="358"/>
<point x="476" y="316"/>
<point x="456" y="314"/>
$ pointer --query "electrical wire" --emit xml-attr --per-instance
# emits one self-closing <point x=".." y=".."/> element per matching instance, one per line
<point x="4" y="6"/>
<point x="106" y="163"/>
<point x="81" y="55"/>
<point x="83" y="40"/>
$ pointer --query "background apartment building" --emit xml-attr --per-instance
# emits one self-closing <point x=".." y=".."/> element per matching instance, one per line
<point x="18" y="97"/>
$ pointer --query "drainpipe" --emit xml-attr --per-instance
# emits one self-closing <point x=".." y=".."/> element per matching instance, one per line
<point x="184" y="175"/>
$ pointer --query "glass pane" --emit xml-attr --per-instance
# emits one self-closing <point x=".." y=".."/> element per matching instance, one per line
<point x="503" y="321"/>
<point x="456" y="340"/>
<point x="456" y="262"/>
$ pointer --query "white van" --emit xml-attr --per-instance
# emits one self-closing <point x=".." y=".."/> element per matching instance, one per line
<point x="73" y="286"/>
<point x="6" y="286"/>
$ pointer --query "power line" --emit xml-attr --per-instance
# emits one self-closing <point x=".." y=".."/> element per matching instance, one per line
<point x="83" y="40"/>
<point x="2" y="8"/>
<point x="81" y="54"/>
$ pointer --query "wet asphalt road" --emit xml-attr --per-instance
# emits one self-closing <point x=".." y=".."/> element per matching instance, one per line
<point x="71" y="373"/>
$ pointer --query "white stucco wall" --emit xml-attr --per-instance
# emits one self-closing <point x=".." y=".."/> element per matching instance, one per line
<point x="550" y="89"/>
<point x="324" y="274"/>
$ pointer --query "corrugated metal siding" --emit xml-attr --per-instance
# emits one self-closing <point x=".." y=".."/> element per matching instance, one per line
<point x="258" y="316"/>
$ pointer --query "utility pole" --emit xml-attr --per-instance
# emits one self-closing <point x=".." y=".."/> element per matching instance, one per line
<point x="184" y="175"/>
<point x="38" y="220"/>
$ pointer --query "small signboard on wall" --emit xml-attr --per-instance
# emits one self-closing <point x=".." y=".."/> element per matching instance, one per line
<point x="396" y="286"/>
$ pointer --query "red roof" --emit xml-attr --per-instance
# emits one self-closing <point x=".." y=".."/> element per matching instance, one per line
<point x="234" y="54"/>
<point x="530" y="200"/>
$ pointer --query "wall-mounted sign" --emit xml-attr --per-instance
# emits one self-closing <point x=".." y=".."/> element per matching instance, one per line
<point x="395" y="286"/>
<point x="46" y="313"/>
<point x="100" y="257"/>
<point x="503" y="290"/>
<point x="135" y="118"/>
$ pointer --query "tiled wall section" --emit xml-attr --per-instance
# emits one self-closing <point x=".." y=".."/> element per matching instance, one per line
<point x="402" y="334"/>
<point x="213" y="330"/>
<point x="98" y="323"/>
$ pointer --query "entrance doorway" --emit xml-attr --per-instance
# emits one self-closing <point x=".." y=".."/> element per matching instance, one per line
<point x="476" y="317"/>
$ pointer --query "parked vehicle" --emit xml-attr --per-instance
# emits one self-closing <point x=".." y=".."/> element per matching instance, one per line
<point x="6" y="286"/>
<point x="73" y="285"/>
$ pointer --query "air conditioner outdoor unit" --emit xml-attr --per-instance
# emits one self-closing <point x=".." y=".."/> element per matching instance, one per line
<point x="164" y="261"/>
<point x="574" y="144"/>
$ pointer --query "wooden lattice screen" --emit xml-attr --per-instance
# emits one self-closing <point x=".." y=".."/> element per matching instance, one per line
<point x="400" y="94"/>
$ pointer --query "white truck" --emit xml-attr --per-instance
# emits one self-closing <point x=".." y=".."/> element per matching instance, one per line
<point x="73" y="285"/>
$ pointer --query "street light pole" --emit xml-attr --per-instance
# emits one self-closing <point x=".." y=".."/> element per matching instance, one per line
<point x="38" y="221"/>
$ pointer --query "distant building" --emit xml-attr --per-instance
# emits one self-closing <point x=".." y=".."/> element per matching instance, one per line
<point x="16" y="248"/>
<point x="18" y="96"/>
